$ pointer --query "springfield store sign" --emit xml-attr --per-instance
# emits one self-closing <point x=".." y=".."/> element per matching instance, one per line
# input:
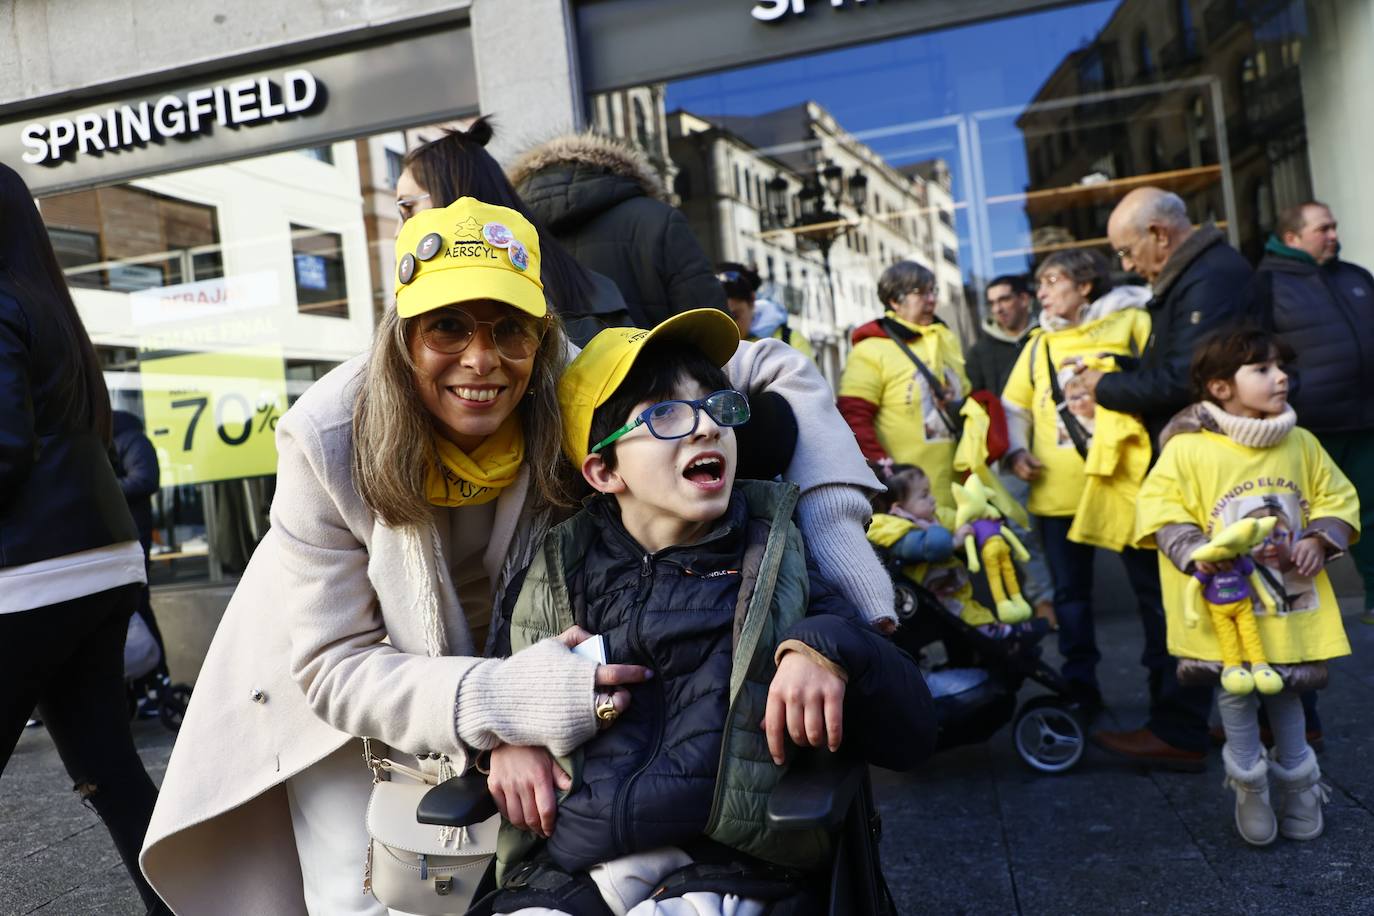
<point x="184" y="115"/>
<point x="398" y="81"/>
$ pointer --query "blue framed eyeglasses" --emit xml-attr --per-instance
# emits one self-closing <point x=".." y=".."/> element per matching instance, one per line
<point x="678" y="419"/>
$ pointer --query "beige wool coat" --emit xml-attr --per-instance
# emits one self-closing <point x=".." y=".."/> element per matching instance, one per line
<point x="324" y="639"/>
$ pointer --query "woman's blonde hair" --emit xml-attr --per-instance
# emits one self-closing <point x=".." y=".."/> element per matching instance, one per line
<point x="393" y="433"/>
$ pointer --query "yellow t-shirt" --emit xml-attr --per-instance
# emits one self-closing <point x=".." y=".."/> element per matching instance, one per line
<point x="1209" y="480"/>
<point x="1057" y="490"/>
<point x="907" y="425"/>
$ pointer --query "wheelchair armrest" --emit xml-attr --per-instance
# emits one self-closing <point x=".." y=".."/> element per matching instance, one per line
<point x="457" y="802"/>
<point x="817" y="790"/>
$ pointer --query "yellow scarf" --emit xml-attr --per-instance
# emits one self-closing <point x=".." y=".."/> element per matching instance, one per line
<point x="461" y="479"/>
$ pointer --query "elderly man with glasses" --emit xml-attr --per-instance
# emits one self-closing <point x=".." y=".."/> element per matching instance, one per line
<point x="1199" y="283"/>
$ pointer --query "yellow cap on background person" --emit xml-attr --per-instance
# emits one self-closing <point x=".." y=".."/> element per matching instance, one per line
<point x="591" y="378"/>
<point x="465" y="251"/>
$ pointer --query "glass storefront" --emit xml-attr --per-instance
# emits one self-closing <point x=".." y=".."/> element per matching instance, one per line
<point x="215" y="296"/>
<point x="977" y="150"/>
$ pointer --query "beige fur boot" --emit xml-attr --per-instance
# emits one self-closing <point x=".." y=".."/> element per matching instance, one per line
<point x="1301" y="796"/>
<point x="1254" y="816"/>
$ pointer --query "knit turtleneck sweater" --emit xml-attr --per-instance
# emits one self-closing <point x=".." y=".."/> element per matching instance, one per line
<point x="1261" y="432"/>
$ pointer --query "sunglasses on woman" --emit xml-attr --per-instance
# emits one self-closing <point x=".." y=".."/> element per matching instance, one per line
<point x="679" y="419"/>
<point x="450" y="330"/>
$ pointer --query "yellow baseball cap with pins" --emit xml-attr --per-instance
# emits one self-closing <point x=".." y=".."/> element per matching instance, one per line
<point x="596" y="373"/>
<point x="465" y="251"/>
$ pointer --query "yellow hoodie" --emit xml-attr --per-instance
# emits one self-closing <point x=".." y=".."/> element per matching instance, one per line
<point x="1059" y="488"/>
<point x="907" y="425"/>
<point x="1209" y="480"/>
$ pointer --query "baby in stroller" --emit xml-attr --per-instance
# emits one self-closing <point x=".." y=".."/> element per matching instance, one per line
<point x="906" y="527"/>
<point x="973" y="663"/>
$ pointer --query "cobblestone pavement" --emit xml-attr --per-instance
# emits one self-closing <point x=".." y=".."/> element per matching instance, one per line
<point x="972" y="832"/>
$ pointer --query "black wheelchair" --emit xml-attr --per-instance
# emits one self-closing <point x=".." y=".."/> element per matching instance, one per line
<point x="820" y="790"/>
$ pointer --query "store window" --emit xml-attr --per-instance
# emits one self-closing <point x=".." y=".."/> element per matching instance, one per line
<point x="203" y="291"/>
<point x="982" y="148"/>
<point x="321" y="287"/>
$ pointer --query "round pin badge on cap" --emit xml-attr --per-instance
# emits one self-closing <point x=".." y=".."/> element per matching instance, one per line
<point x="519" y="256"/>
<point x="497" y="235"/>
<point x="405" y="270"/>
<point x="429" y="246"/>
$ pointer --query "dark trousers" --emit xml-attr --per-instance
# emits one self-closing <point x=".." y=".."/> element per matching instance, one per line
<point x="1178" y="714"/>
<point x="1071" y="569"/>
<point x="68" y="660"/>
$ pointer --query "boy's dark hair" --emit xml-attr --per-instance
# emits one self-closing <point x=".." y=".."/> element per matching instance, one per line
<point x="900" y="480"/>
<point x="654" y="377"/>
<point x="1221" y="355"/>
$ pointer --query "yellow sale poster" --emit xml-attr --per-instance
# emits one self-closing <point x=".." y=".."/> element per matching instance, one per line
<point x="211" y="416"/>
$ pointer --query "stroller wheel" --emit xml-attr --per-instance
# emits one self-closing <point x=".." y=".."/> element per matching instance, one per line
<point x="173" y="707"/>
<point x="907" y="600"/>
<point x="1049" y="737"/>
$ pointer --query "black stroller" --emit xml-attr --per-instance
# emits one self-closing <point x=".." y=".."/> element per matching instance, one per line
<point x="975" y="688"/>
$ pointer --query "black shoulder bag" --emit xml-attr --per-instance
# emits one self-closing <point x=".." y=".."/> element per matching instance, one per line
<point x="953" y="422"/>
<point x="1076" y="432"/>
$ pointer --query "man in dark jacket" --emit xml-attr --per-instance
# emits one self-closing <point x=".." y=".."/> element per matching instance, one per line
<point x="1199" y="284"/>
<point x="1008" y="325"/>
<point x="602" y="200"/>
<point x="1323" y="308"/>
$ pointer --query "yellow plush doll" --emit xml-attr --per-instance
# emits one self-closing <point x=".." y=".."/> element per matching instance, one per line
<point x="1229" y="597"/>
<point x="989" y="542"/>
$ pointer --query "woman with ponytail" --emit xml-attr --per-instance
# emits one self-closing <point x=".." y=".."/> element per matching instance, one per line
<point x="456" y="165"/>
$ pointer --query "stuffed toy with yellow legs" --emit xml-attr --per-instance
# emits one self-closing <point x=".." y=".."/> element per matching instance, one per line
<point x="1229" y="596"/>
<point x="992" y="543"/>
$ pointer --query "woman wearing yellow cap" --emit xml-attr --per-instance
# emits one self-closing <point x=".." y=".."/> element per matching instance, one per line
<point x="412" y="483"/>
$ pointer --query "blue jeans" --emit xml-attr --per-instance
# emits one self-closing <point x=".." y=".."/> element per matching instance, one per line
<point x="1071" y="570"/>
<point x="1178" y="714"/>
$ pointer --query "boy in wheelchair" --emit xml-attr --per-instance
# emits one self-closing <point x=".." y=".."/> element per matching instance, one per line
<point x="675" y="566"/>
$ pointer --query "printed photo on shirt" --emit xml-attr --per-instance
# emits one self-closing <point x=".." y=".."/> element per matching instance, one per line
<point x="934" y="427"/>
<point x="1079" y="399"/>
<point x="1274" y="558"/>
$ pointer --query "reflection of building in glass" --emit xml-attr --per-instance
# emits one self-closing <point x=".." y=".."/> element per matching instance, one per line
<point x="1205" y="99"/>
<point x="816" y="212"/>
<point x="215" y="296"/>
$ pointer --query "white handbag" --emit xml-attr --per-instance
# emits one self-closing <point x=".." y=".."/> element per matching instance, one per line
<point x="420" y="868"/>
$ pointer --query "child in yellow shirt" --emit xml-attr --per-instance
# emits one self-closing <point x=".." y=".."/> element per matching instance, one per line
<point x="1236" y="454"/>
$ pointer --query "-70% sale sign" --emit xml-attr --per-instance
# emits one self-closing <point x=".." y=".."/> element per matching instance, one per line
<point x="211" y="416"/>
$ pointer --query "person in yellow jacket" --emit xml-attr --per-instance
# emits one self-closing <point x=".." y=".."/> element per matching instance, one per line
<point x="1239" y="454"/>
<point x="1081" y="317"/>
<point x="757" y="317"/>
<point x="888" y="399"/>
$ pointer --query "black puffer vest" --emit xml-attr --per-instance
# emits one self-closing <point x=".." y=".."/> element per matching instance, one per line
<point x="649" y="781"/>
<point x="1326" y="314"/>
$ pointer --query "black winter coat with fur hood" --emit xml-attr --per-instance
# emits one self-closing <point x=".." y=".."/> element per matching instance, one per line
<point x="604" y="203"/>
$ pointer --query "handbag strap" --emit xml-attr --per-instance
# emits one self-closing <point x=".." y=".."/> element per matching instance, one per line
<point x="1076" y="432"/>
<point x="896" y="333"/>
